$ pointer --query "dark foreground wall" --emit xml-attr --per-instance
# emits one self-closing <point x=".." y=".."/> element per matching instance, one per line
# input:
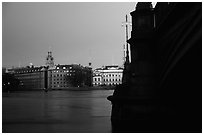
<point x="179" y="54"/>
<point x="164" y="89"/>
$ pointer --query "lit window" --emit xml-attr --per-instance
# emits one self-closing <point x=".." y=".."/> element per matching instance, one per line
<point x="57" y="67"/>
<point x="64" y="67"/>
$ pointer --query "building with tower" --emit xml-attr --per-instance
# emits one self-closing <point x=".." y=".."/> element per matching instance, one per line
<point x="53" y="76"/>
<point x="49" y="60"/>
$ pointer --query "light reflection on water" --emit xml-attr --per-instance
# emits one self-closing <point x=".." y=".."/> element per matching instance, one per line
<point x="57" y="111"/>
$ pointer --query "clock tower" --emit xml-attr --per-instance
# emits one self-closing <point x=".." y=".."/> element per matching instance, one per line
<point x="49" y="60"/>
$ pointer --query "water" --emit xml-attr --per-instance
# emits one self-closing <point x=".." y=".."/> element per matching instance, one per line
<point x="57" y="112"/>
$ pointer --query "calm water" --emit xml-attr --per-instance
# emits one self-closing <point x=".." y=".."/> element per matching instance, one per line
<point x="56" y="111"/>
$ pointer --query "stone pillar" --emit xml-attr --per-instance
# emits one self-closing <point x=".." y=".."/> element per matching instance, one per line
<point x="142" y="67"/>
<point x="133" y="101"/>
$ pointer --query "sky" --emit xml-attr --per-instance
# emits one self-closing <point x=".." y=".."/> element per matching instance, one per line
<point x="76" y="33"/>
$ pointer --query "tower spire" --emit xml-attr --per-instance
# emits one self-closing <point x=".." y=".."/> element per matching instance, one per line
<point x="127" y="61"/>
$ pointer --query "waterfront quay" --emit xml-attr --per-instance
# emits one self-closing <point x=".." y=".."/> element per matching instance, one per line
<point x="56" y="111"/>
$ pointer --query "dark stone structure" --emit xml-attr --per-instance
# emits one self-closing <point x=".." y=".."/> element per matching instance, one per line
<point x="162" y="86"/>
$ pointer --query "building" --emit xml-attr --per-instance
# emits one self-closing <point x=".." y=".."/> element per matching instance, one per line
<point x="52" y="76"/>
<point x="64" y="76"/>
<point x="31" y="77"/>
<point x="56" y="77"/>
<point x="107" y="76"/>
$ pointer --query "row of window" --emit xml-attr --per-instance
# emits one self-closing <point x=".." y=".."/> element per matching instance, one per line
<point x="59" y="86"/>
<point x="59" y="79"/>
<point x="109" y="75"/>
<point x="106" y="84"/>
<point x="61" y="71"/>
<point x="28" y="71"/>
<point x="58" y="82"/>
<point x="64" y="68"/>
<point x="30" y="74"/>
<point x="99" y="79"/>
<point x="61" y="75"/>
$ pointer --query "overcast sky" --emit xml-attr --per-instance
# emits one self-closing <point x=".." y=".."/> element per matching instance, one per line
<point x="75" y="32"/>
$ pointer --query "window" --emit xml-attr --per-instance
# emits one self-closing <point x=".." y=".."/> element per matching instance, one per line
<point x="98" y="79"/>
<point x="95" y="79"/>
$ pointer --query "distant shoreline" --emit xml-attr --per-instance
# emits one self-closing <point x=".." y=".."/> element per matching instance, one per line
<point x="70" y="88"/>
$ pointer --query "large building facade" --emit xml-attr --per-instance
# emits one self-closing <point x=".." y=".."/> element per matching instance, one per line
<point x="107" y="76"/>
<point x="64" y="76"/>
<point x="31" y="77"/>
<point x="56" y="77"/>
<point x="52" y="76"/>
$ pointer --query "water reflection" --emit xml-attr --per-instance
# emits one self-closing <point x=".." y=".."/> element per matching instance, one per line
<point x="57" y="111"/>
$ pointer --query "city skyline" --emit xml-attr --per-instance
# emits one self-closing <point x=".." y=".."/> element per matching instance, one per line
<point x="79" y="33"/>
